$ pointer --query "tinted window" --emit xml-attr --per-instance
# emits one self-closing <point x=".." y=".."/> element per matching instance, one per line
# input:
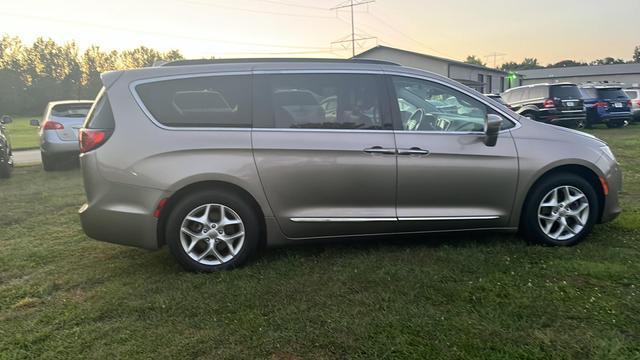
<point x="632" y="94"/>
<point x="611" y="94"/>
<point x="565" y="92"/>
<point x="71" y="110"/>
<point x="538" y="92"/>
<point x="213" y="101"/>
<point x="589" y="93"/>
<point x="320" y="101"/>
<point x="101" y="115"/>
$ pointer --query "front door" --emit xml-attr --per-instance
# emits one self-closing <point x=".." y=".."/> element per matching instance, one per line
<point x="325" y="152"/>
<point x="448" y="178"/>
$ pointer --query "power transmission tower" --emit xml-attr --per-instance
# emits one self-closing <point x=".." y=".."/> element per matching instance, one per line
<point x="352" y="4"/>
<point x="495" y="56"/>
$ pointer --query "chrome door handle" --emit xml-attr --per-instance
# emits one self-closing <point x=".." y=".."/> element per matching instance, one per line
<point x="413" y="151"/>
<point x="380" y="150"/>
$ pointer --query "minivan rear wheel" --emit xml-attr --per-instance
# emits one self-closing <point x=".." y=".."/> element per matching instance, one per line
<point x="212" y="230"/>
<point x="561" y="210"/>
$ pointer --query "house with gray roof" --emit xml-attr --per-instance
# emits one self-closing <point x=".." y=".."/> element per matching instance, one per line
<point x="628" y="74"/>
<point x="481" y="78"/>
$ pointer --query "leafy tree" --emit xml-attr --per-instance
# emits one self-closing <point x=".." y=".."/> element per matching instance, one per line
<point x="636" y="55"/>
<point x="472" y="59"/>
<point x="94" y="62"/>
<point x="526" y="64"/>
<point x="607" y="61"/>
<point x="567" y="63"/>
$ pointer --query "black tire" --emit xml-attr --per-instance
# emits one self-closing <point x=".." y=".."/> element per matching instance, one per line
<point x="615" y="124"/>
<point x="192" y="201"/>
<point x="5" y="169"/>
<point x="530" y="227"/>
<point x="49" y="163"/>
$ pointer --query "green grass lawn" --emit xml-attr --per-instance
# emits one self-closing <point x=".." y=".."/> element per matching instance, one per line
<point x="464" y="296"/>
<point x="23" y="136"/>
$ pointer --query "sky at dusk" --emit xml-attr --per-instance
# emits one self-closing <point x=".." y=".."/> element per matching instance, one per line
<point x="550" y="30"/>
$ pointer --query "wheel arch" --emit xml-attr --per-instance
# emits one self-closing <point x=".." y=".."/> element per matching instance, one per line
<point x="581" y="170"/>
<point x="206" y="185"/>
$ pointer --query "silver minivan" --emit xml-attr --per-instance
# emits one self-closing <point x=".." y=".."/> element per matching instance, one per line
<point x="217" y="158"/>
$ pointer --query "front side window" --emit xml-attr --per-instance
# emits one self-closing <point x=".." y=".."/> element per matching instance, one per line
<point x="427" y="106"/>
<point x="210" y="101"/>
<point x="320" y="101"/>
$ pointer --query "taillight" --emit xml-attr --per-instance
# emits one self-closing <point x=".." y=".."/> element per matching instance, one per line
<point x="638" y="102"/>
<point x="52" y="125"/>
<point x="629" y="103"/>
<point x="549" y="103"/>
<point x="602" y="104"/>
<point x="92" y="138"/>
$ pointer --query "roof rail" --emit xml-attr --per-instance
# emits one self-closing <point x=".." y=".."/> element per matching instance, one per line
<point x="273" y="60"/>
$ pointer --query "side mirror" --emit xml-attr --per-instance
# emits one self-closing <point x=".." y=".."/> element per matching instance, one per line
<point x="492" y="125"/>
<point x="34" y="122"/>
<point x="6" y="119"/>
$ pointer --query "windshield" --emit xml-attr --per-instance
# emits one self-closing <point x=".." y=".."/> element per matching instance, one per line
<point x="71" y="110"/>
<point x="611" y="93"/>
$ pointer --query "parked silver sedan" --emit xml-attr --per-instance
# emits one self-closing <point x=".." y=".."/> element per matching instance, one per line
<point x="59" y="131"/>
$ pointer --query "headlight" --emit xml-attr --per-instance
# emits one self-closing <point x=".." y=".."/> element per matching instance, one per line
<point x="608" y="153"/>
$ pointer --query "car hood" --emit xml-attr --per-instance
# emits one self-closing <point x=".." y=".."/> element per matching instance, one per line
<point x="559" y="132"/>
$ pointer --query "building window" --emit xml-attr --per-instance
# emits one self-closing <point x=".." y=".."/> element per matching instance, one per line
<point x="489" y="84"/>
<point x="502" y="84"/>
<point x="481" y="81"/>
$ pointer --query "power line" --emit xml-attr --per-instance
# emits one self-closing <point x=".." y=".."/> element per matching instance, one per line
<point x="292" y="5"/>
<point x="406" y="35"/>
<point x="234" y="8"/>
<point x="163" y="34"/>
<point x="495" y="56"/>
<point x="352" y="4"/>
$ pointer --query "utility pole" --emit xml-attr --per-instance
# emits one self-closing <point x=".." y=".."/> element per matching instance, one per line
<point x="352" y="4"/>
<point x="495" y="56"/>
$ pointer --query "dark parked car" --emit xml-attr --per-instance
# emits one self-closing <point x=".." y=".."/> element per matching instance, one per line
<point x="6" y="160"/>
<point x="606" y="104"/>
<point x="558" y="104"/>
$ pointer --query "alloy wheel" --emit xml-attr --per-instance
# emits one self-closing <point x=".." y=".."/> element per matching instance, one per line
<point x="563" y="212"/>
<point x="212" y="234"/>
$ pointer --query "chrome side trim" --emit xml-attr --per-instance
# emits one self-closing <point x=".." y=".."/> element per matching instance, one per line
<point x="342" y="219"/>
<point x="445" y="218"/>
<point x="371" y="219"/>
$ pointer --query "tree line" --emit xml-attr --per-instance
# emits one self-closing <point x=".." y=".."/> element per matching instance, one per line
<point x="532" y="63"/>
<point x="33" y="74"/>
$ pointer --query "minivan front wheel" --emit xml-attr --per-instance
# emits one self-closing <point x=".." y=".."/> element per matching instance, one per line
<point x="212" y="230"/>
<point x="561" y="211"/>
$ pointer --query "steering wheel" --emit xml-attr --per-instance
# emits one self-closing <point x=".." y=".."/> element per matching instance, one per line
<point x="414" y="121"/>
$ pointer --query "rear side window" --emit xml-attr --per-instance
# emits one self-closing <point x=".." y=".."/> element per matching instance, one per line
<point x="538" y="92"/>
<point x="320" y="101"/>
<point x="70" y="110"/>
<point x="611" y="94"/>
<point x="212" y="101"/>
<point x="632" y="94"/>
<point x="565" y="92"/>
<point x="100" y="116"/>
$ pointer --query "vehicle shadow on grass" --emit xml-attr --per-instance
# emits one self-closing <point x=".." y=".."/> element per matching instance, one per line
<point x="344" y="248"/>
<point x="408" y="242"/>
